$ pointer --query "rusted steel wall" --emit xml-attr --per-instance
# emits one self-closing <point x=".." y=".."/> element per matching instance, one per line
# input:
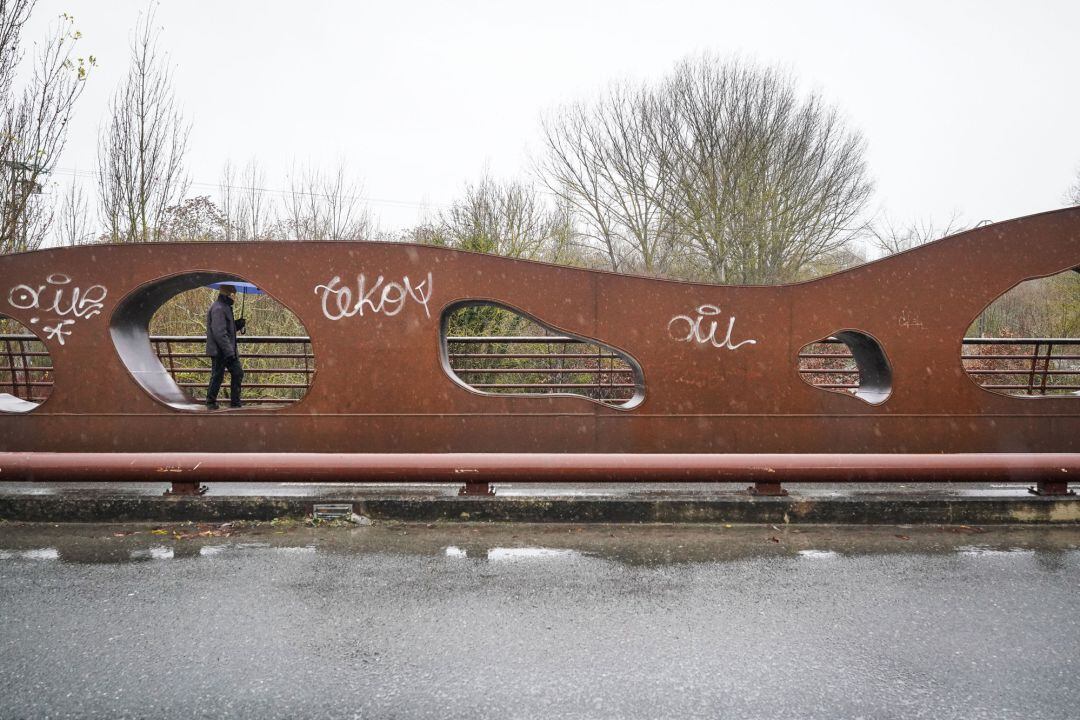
<point x="373" y="311"/>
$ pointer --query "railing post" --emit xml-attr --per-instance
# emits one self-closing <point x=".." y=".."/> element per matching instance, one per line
<point x="185" y="488"/>
<point x="1052" y="488"/>
<point x="767" y="488"/>
<point x="11" y="364"/>
<point x="476" y="488"/>
<point x="1046" y="367"/>
<point x="1031" y="373"/>
<point x="27" y="376"/>
<point x="307" y="370"/>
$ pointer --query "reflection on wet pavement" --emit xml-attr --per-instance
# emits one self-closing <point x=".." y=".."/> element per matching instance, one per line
<point x="630" y="544"/>
<point x="495" y="621"/>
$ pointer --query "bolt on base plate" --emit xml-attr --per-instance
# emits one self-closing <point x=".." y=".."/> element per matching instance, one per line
<point x="1052" y="488"/>
<point x="185" y="488"/>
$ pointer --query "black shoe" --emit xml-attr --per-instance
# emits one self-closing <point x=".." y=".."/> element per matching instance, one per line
<point x="236" y="404"/>
<point x="211" y="406"/>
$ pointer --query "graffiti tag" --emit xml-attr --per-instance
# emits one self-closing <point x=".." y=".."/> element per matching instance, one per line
<point x="58" y="297"/>
<point x="378" y="297"/>
<point x="694" y="328"/>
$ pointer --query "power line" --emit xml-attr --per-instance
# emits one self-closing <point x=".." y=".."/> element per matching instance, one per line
<point x="93" y="174"/>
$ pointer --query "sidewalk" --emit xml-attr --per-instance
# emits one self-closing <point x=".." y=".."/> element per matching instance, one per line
<point x="522" y="502"/>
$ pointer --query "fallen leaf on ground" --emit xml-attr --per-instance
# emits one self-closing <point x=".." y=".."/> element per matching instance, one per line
<point x="967" y="529"/>
<point x="903" y="537"/>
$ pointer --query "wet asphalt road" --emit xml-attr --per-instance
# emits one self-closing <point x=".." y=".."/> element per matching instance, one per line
<point x="466" y="621"/>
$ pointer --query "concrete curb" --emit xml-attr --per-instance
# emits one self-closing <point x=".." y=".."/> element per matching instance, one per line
<point x="880" y="509"/>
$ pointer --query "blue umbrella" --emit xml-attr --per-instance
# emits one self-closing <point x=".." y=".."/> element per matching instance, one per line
<point x="245" y="288"/>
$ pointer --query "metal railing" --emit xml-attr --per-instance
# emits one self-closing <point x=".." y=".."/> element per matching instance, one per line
<point x="541" y="364"/>
<point x="279" y="370"/>
<point x="25" y="367"/>
<point x="828" y="364"/>
<point x="1024" y="366"/>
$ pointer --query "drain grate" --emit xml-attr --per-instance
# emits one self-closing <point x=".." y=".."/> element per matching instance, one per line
<point x="328" y="511"/>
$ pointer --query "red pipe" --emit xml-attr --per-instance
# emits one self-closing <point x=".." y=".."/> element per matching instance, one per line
<point x="536" y="467"/>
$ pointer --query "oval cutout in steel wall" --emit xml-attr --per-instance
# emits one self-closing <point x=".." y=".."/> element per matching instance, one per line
<point x="174" y="369"/>
<point x="1026" y="343"/>
<point x="493" y="349"/>
<point x="849" y="362"/>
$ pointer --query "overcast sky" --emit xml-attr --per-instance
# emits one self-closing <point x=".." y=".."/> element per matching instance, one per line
<point x="967" y="107"/>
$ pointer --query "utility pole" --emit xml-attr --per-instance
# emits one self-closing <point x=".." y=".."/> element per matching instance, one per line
<point x="22" y="184"/>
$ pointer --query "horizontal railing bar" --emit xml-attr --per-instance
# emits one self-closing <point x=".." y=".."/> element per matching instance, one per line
<point x="537" y="467"/>
<point x="253" y="400"/>
<point x="540" y="371"/>
<point x="546" y="339"/>
<point x="1036" y="389"/>
<point x="254" y="386"/>
<point x="591" y="386"/>
<point x="1021" y="341"/>
<point x="249" y="370"/>
<point x="523" y="356"/>
<point x="1038" y="373"/>
<point x="242" y="339"/>
<point x="1028" y="357"/>
<point x="259" y="356"/>
<point x="519" y="339"/>
<point x="828" y="372"/>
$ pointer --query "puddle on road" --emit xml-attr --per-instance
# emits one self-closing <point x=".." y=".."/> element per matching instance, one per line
<point x="47" y="553"/>
<point x="983" y="551"/>
<point x="525" y="544"/>
<point x="511" y="554"/>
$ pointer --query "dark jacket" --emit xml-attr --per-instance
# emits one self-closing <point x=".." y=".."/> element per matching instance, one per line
<point x="221" y="329"/>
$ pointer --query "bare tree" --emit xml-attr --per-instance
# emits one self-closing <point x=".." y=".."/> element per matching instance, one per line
<point x="34" y="120"/>
<point x="230" y="201"/>
<point x="506" y="219"/>
<point x="243" y="202"/>
<point x="603" y="161"/>
<point x="764" y="181"/>
<point x="73" y="217"/>
<point x="1072" y="197"/>
<point x="194" y="219"/>
<point x="890" y="238"/>
<point x="321" y="206"/>
<point x="721" y="171"/>
<point x="141" y="148"/>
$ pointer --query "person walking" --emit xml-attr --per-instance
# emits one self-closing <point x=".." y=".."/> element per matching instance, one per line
<point x="221" y="347"/>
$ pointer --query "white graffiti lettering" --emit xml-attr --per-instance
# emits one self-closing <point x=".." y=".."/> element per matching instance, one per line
<point x="57" y="332"/>
<point x="695" y="330"/>
<point x="58" y="296"/>
<point x="380" y="297"/>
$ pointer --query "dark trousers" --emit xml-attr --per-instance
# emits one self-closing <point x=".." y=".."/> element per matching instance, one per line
<point x="218" y="366"/>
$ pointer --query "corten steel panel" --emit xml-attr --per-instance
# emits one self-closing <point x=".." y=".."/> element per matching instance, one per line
<point x="380" y="383"/>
